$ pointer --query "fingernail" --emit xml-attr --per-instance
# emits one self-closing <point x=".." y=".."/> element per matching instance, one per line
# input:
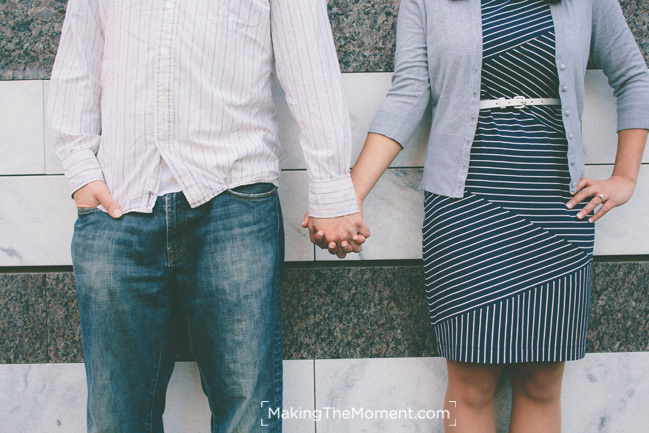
<point x="319" y="234"/>
<point x="355" y="237"/>
<point x="117" y="213"/>
<point x="569" y="205"/>
<point x="344" y="244"/>
<point x="590" y="220"/>
<point x="580" y="215"/>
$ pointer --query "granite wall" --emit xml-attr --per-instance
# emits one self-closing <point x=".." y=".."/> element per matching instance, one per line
<point x="332" y="312"/>
<point x="364" y="32"/>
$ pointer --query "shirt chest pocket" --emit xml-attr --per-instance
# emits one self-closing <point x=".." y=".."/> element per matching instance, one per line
<point x="242" y="13"/>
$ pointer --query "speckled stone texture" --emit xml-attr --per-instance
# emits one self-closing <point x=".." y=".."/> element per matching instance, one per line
<point x="23" y="319"/>
<point x="619" y="318"/>
<point x="364" y="31"/>
<point x="29" y="37"/>
<point x="357" y="312"/>
<point x="329" y="312"/>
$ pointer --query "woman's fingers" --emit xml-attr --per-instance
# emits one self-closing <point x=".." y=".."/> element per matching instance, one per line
<point x="592" y="204"/>
<point x="584" y="190"/>
<point x="607" y="206"/>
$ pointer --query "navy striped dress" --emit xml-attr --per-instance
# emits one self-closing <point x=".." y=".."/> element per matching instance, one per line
<point x="507" y="267"/>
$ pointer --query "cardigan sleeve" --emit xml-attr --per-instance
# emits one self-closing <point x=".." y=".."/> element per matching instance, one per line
<point x="409" y="94"/>
<point x="615" y="51"/>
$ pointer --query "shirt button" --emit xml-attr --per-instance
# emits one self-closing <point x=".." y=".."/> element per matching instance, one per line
<point x="162" y="99"/>
<point x="163" y="146"/>
<point x="164" y="51"/>
<point x="169" y="5"/>
<point x="564" y="88"/>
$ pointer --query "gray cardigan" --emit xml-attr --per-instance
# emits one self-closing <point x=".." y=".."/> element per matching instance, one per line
<point x="439" y="58"/>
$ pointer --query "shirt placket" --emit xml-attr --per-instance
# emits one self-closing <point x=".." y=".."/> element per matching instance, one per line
<point x="164" y="127"/>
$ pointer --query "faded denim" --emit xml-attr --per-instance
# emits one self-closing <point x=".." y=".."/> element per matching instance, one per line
<point x="217" y="268"/>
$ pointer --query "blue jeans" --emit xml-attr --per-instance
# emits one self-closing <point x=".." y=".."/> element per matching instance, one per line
<point x="217" y="267"/>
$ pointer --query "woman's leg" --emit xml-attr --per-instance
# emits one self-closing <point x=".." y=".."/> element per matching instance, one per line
<point x="472" y="387"/>
<point x="536" y="397"/>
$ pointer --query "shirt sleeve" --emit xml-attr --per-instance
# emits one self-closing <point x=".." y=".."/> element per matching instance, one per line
<point x="614" y="49"/>
<point x="307" y="68"/>
<point x="73" y="112"/>
<point x="409" y="94"/>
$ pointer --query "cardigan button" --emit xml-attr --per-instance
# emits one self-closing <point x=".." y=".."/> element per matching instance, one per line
<point x="562" y="67"/>
<point x="564" y="88"/>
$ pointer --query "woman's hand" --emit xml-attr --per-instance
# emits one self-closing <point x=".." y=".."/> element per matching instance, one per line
<point x="345" y="247"/>
<point x="609" y="193"/>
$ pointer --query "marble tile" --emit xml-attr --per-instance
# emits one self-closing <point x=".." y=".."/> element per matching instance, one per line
<point x="364" y="94"/>
<point x="47" y="398"/>
<point x="52" y="162"/>
<point x="606" y="392"/>
<point x="23" y="319"/>
<point x="37" y="217"/>
<point x="43" y="398"/>
<point x="187" y="408"/>
<point x="623" y="231"/>
<point x="603" y="392"/>
<point x="299" y="395"/>
<point x="599" y="121"/>
<point x="21" y="127"/>
<point x="293" y="194"/>
<point x="394" y="213"/>
<point x="410" y="385"/>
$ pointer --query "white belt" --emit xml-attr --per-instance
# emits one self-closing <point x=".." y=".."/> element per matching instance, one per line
<point x="517" y="102"/>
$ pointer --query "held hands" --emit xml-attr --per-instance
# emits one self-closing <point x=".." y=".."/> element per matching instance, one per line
<point x="609" y="193"/>
<point x="340" y="235"/>
<point x="94" y="194"/>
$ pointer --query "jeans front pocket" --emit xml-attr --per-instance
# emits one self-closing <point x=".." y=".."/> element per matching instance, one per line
<point x="254" y="191"/>
<point x="87" y="210"/>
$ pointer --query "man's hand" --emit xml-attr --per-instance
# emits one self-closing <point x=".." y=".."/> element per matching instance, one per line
<point x="94" y="194"/>
<point x="340" y="235"/>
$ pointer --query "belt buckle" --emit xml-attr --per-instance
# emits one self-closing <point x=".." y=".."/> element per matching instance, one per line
<point x="522" y="103"/>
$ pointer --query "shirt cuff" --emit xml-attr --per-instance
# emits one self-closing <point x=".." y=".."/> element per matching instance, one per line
<point x="81" y="168"/>
<point x="332" y="198"/>
<point x="396" y="126"/>
<point x="634" y="116"/>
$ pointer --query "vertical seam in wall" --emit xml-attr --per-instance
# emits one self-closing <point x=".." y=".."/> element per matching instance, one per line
<point x="315" y="402"/>
<point x="46" y="302"/>
<point x="44" y="141"/>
